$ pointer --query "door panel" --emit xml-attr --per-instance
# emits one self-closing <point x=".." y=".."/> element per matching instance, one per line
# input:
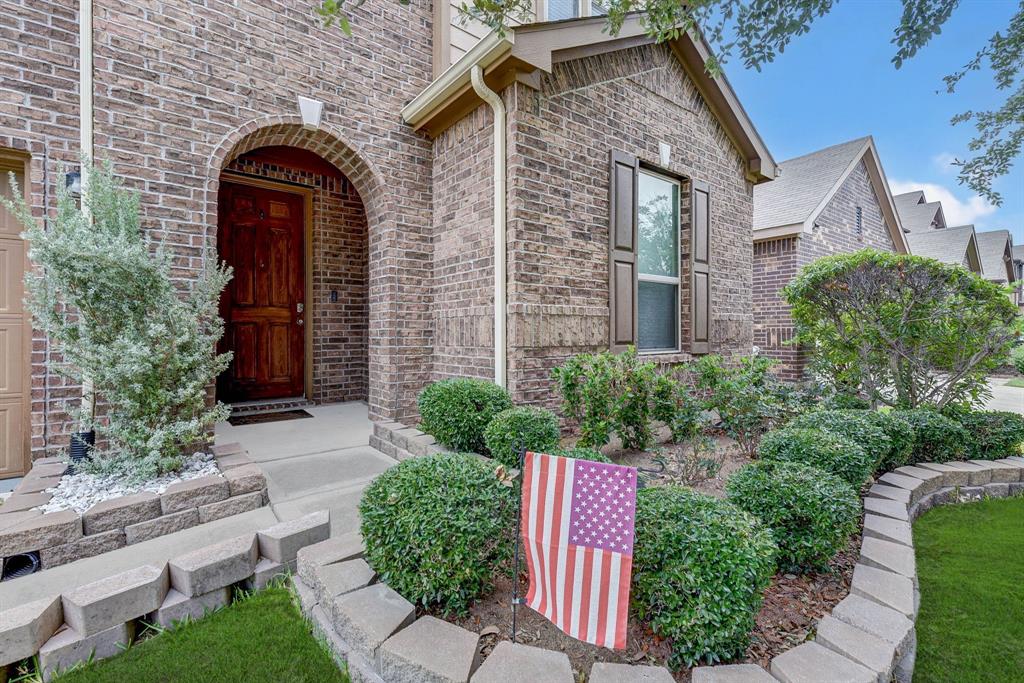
<point x="13" y="420"/>
<point x="14" y="343"/>
<point x="261" y="236"/>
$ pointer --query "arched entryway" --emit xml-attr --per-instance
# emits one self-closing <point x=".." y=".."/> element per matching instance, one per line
<point x="296" y="230"/>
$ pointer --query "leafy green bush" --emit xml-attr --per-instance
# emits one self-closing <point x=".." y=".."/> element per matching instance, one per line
<point x="456" y="411"/>
<point x="700" y="568"/>
<point x="819" y="448"/>
<point x="901" y="439"/>
<point x="535" y="429"/>
<point x="679" y="409"/>
<point x="604" y="392"/>
<point x="580" y="453"/>
<point x="992" y="434"/>
<point x="937" y="438"/>
<point x="436" y="527"/>
<point x="844" y="401"/>
<point x="810" y="512"/>
<point x="859" y="426"/>
<point x="1017" y="358"/>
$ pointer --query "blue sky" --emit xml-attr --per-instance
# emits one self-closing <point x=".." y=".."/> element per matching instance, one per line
<point x="837" y="83"/>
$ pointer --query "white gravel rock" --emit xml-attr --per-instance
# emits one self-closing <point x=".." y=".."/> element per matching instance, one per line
<point x="81" y="491"/>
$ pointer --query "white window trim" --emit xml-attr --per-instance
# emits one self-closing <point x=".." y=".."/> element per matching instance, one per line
<point x="666" y="279"/>
<point x="584" y="8"/>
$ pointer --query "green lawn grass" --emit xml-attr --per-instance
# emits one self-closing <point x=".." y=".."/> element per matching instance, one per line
<point x="260" y="639"/>
<point x="1015" y="382"/>
<point x="970" y="561"/>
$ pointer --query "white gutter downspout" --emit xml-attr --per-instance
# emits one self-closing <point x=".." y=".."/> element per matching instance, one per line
<point x="85" y="145"/>
<point x="500" y="295"/>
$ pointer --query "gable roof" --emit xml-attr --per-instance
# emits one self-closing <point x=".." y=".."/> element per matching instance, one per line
<point x="916" y="214"/>
<point x="994" y="248"/>
<point x="525" y="50"/>
<point x="791" y="203"/>
<point x="957" y="246"/>
<point x="1018" y="252"/>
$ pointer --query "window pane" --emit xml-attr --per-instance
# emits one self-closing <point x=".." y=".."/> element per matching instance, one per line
<point x="562" y="9"/>
<point x="658" y="225"/>
<point x="658" y="316"/>
<point x="597" y="8"/>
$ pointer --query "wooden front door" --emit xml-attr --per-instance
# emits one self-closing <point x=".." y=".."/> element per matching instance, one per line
<point x="261" y="235"/>
<point x="14" y="333"/>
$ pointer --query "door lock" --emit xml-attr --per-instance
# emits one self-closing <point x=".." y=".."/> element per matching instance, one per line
<point x="299" y="307"/>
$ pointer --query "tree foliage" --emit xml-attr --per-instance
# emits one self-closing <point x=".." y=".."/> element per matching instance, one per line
<point x="106" y="299"/>
<point x="904" y="330"/>
<point x="756" y="31"/>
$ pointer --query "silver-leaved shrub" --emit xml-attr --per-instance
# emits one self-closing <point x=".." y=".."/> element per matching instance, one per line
<point x="106" y="296"/>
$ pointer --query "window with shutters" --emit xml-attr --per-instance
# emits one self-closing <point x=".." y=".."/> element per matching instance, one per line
<point x="657" y="214"/>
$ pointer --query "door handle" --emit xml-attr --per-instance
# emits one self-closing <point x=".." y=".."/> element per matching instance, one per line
<point x="299" y="322"/>
<point x="299" y="307"/>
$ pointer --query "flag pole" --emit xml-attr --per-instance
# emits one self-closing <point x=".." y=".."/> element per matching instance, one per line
<point x="519" y="524"/>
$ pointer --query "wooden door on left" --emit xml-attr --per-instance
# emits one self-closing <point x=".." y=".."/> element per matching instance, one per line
<point x="261" y="236"/>
<point x="14" y="333"/>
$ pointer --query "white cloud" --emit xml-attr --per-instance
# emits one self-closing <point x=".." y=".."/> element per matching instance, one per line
<point x="943" y="163"/>
<point x="957" y="212"/>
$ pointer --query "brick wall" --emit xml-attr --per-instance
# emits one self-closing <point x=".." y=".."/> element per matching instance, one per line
<point x="560" y="139"/>
<point x="339" y="259"/>
<point x="776" y="262"/>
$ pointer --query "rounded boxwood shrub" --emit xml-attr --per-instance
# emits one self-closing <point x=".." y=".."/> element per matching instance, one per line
<point x="535" y="429"/>
<point x="859" y="426"/>
<point x="581" y="453"/>
<point x="811" y="513"/>
<point x="819" y="448"/>
<point x="456" y="411"/>
<point x="992" y="434"/>
<point x="901" y="439"/>
<point x="937" y="438"/>
<point x="435" y="528"/>
<point x="700" y="568"/>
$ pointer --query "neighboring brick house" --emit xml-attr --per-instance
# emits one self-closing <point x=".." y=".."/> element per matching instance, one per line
<point x="832" y="201"/>
<point x="363" y="239"/>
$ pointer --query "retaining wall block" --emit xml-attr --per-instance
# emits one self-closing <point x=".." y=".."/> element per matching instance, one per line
<point x="103" y="604"/>
<point x="1017" y="489"/>
<point x="914" y="486"/>
<point x="68" y="647"/>
<point x="323" y="630"/>
<point x="887" y="508"/>
<point x="307" y="598"/>
<point x="997" y="490"/>
<point x="345" y="547"/>
<point x="367" y="617"/>
<point x="42" y="531"/>
<point x="977" y="475"/>
<point x="932" y="479"/>
<point x="428" y="651"/>
<point x="859" y="646"/>
<point x="951" y="476"/>
<point x="265" y="572"/>
<point x="890" y="493"/>
<point x="235" y="505"/>
<point x="893" y="557"/>
<point x="885" y="588"/>
<point x="192" y="493"/>
<point x="26" y="627"/>
<point x="876" y="619"/>
<point x="160" y="526"/>
<point x="215" y="566"/>
<point x="19" y="502"/>
<point x="226" y="449"/>
<point x="1001" y="472"/>
<point x="118" y="513"/>
<point x="516" y="663"/>
<point x="245" y="479"/>
<point x="9" y="519"/>
<point x="87" y="546"/>
<point x="233" y="460"/>
<point x="282" y="542"/>
<point x="333" y="580"/>
<point x="605" y="672"/>
<point x="732" y="673"/>
<point x="814" y="663"/>
<point x="178" y="607"/>
<point x="1018" y="464"/>
<point x="887" y="528"/>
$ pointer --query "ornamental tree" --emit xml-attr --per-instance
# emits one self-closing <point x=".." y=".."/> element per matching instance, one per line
<point x="904" y="330"/>
<point x="105" y="296"/>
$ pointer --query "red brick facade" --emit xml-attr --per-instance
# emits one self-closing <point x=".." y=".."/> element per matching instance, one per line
<point x="777" y="261"/>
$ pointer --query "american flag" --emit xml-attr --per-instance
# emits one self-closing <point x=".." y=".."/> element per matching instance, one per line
<point x="578" y="534"/>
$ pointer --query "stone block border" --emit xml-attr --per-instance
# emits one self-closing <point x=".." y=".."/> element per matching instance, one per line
<point x="401" y="442"/>
<point x="66" y="536"/>
<point x="98" y="619"/>
<point x="869" y="636"/>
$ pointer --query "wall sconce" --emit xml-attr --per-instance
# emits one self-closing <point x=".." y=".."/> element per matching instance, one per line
<point x="73" y="183"/>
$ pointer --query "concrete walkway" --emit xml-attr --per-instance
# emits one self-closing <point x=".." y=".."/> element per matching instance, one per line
<point x="1010" y="399"/>
<point x="311" y="464"/>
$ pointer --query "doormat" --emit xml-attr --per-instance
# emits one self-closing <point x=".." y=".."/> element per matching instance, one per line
<point x="239" y="420"/>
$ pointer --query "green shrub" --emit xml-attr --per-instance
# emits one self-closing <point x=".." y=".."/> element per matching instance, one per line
<point x="679" y="409"/>
<point x="456" y="411"/>
<point x="435" y="528"/>
<point x="819" y="448"/>
<point x="811" y="513"/>
<point x="700" y="568"/>
<point x="580" y="453"/>
<point x="859" y="426"/>
<point x="1017" y="358"/>
<point x="992" y="434"/>
<point x="901" y="439"/>
<point x="937" y="438"/>
<point x="535" y="429"/>
<point x="844" y="401"/>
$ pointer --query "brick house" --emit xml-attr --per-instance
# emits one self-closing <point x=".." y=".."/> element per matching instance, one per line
<point x="835" y="200"/>
<point x="351" y="184"/>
